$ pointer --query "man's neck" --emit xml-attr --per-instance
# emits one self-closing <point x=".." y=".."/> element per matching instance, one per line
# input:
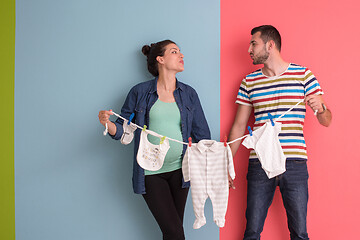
<point x="275" y="67"/>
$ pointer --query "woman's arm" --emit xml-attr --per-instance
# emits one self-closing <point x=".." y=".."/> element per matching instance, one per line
<point x="200" y="128"/>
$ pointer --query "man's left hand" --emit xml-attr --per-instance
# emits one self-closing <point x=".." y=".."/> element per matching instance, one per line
<point x="315" y="102"/>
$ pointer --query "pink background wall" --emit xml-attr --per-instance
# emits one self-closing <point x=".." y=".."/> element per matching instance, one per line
<point x="324" y="36"/>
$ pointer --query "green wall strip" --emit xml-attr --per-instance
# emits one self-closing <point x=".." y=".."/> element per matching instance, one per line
<point x="7" y="67"/>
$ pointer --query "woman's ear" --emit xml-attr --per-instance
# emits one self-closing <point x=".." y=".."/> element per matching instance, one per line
<point x="160" y="59"/>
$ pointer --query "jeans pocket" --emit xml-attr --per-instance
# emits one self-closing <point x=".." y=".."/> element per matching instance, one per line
<point x="255" y="171"/>
<point x="254" y="162"/>
<point x="299" y="162"/>
<point x="297" y="170"/>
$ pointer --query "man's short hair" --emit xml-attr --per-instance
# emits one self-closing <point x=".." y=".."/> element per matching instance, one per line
<point x="268" y="32"/>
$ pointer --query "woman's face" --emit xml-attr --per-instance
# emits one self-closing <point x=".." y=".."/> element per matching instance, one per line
<point x="173" y="59"/>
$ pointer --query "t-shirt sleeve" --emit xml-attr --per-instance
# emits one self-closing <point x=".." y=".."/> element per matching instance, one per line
<point x="311" y="84"/>
<point x="243" y="96"/>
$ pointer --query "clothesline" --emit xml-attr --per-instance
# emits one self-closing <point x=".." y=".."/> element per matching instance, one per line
<point x="175" y="140"/>
<point x="277" y="119"/>
<point x="142" y="128"/>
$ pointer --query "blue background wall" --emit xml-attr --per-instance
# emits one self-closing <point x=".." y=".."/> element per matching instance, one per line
<point x="74" y="58"/>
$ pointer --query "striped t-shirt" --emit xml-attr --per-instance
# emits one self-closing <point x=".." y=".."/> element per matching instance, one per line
<point x="276" y="95"/>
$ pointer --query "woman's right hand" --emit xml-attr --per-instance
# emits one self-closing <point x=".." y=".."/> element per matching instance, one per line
<point x="104" y="116"/>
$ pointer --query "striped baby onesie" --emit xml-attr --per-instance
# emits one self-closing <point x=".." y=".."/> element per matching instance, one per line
<point x="276" y="95"/>
<point x="206" y="165"/>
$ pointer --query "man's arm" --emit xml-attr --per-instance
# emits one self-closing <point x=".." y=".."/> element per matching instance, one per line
<point x="239" y="126"/>
<point x="237" y="130"/>
<point x="317" y="103"/>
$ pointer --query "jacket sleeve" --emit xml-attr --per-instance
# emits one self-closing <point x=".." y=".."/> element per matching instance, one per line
<point x="127" y="109"/>
<point x="199" y="129"/>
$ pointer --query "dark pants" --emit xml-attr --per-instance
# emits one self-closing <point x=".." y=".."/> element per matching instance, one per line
<point x="166" y="200"/>
<point x="293" y="186"/>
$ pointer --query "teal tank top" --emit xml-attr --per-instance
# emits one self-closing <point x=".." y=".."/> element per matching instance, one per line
<point x="164" y="119"/>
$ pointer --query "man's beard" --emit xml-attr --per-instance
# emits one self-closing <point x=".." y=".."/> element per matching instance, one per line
<point x="261" y="59"/>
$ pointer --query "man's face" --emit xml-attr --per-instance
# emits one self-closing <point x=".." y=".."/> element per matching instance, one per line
<point x="257" y="49"/>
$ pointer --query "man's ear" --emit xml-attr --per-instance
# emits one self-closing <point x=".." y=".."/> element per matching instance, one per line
<point x="271" y="45"/>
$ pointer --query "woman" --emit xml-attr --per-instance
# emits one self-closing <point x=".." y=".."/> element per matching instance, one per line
<point x="170" y="108"/>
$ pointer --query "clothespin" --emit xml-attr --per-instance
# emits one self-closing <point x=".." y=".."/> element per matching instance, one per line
<point x="130" y="118"/>
<point x="162" y="140"/>
<point x="144" y="128"/>
<point x="271" y="119"/>
<point x="225" y="140"/>
<point x="190" y="141"/>
<point x="250" y="131"/>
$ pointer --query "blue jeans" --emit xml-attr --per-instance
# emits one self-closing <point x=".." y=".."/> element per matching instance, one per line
<point x="293" y="186"/>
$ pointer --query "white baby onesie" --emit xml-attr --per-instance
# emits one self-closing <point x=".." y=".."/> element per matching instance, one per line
<point x="128" y="133"/>
<point x="150" y="156"/>
<point x="207" y="164"/>
<point x="265" y="142"/>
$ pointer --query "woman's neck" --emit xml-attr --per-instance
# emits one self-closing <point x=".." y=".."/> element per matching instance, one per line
<point x="166" y="85"/>
<point x="167" y="82"/>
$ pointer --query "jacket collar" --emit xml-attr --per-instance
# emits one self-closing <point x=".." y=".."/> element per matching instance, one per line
<point x="153" y="87"/>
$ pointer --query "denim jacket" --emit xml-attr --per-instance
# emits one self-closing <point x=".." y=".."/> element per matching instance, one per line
<point x="140" y="100"/>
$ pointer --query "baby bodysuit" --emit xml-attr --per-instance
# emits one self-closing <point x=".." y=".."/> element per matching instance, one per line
<point x="265" y="142"/>
<point x="206" y="165"/>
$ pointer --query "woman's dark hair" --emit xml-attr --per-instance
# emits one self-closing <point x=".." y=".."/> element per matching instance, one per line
<point x="268" y="32"/>
<point x="152" y="51"/>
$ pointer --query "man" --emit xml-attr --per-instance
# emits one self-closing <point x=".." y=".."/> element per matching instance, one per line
<point x="274" y="89"/>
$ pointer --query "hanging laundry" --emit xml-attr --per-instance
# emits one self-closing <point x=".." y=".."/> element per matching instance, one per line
<point x="151" y="157"/>
<point x="235" y="140"/>
<point x="206" y="165"/>
<point x="265" y="142"/>
<point x="128" y="133"/>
